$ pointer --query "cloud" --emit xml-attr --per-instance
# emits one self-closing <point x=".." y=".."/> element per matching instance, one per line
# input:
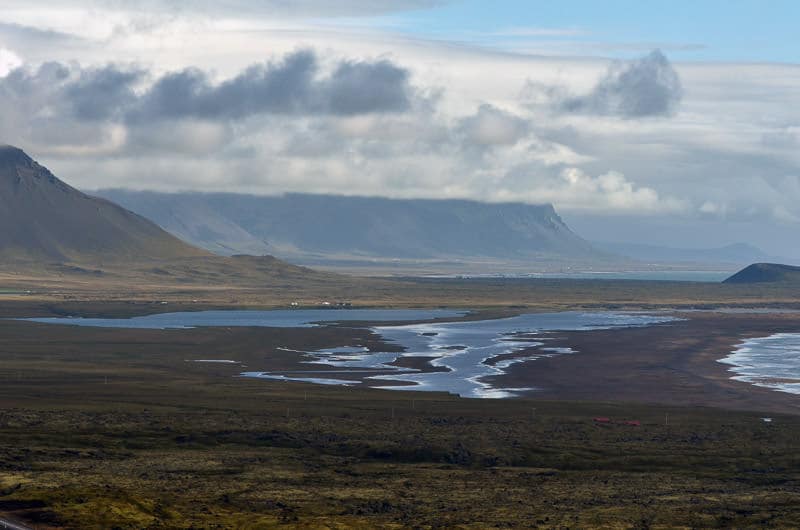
<point x="647" y="87"/>
<point x="25" y="37"/>
<point x="713" y="208"/>
<point x="272" y="8"/>
<point x="492" y="126"/>
<point x="788" y="137"/>
<point x="358" y="87"/>
<point x="571" y="188"/>
<point x="8" y="61"/>
<point x="101" y="93"/>
<point x="291" y="86"/>
<point x="57" y="95"/>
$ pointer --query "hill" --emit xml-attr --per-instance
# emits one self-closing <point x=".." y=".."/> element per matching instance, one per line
<point x="767" y="273"/>
<point x="326" y="229"/>
<point x="46" y="220"/>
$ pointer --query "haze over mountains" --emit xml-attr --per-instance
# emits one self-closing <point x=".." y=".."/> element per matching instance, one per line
<point x="735" y="254"/>
<point x="329" y="229"/>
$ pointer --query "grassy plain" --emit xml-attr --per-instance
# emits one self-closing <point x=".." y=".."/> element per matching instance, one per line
<point x="218" y="285"/>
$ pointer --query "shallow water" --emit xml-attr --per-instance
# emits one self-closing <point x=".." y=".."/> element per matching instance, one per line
<point x="281" y="318"/>
<point x="462" y="348"/>
<point x="466" y="351"/>
<point x="769" y="362"/>
<point x="664" y="276"/>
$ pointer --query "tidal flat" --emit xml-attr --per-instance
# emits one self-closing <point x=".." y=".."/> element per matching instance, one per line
<point x="461" y="354"/>
<point x="104" y="428"/>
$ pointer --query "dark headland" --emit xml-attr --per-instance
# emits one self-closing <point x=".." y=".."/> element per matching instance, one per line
<point x="767" y="273"/>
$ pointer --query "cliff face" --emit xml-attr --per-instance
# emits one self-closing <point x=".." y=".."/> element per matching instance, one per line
<point x="44" y="219"/>
<point x="304" y="225"/>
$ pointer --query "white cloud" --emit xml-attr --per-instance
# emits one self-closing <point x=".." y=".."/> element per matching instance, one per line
<point x="713" y="208"/>
<point x="609" y="194"/>
<point x="8" y="61"/>
<point x="493" y="126"/>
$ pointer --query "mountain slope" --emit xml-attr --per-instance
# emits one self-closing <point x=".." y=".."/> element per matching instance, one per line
<point x="45" y="220"/>
<point x="767" y="273"/>
<point x="307" y="227"/>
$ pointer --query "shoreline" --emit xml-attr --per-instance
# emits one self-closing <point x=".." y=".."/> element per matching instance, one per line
<point x="671" y="364"/>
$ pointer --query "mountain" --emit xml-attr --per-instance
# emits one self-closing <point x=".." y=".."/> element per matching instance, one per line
<point x="45" y="220"/>
<point x="736" y="254"/>
<point x="317" y="229"/>
<point x="767" y="273"/>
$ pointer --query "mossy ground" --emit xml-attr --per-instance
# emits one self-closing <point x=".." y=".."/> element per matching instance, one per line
<point x="286" y="454"/>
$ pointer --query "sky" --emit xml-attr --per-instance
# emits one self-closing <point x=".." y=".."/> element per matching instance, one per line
<point x="670" y="123"/>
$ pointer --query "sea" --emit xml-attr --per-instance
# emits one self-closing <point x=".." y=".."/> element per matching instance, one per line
<point x="769" y="362"/>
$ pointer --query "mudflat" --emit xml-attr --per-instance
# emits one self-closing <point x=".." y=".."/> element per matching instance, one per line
<point x="676" y="363"/>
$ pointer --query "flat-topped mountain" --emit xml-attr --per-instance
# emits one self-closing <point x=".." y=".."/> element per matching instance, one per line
<point x="324" y="229"/>
<point x="766" y="273"/>
<point x="45" y="220"/>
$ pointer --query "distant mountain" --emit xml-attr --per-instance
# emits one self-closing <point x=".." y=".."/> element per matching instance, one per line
<point x="767" y="273"/>
<point x="44" y="219"/>
<point x="736" y="254"/>
<point x="324" y="228"/>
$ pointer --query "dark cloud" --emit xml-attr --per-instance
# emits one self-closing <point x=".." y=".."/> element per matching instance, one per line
<point x="100" y="94"/>
<point x="292" y="86"/>
<point x="283" y="88"/>
<point x="359" y="87"/>
<point x="296" y="85"/>
<point x="649" y="86"/>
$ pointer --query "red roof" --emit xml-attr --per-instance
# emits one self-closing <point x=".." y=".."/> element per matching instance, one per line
<point x="603" y="420"/>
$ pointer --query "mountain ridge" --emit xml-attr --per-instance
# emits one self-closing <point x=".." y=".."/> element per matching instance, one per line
<point x="314" y="228"/>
